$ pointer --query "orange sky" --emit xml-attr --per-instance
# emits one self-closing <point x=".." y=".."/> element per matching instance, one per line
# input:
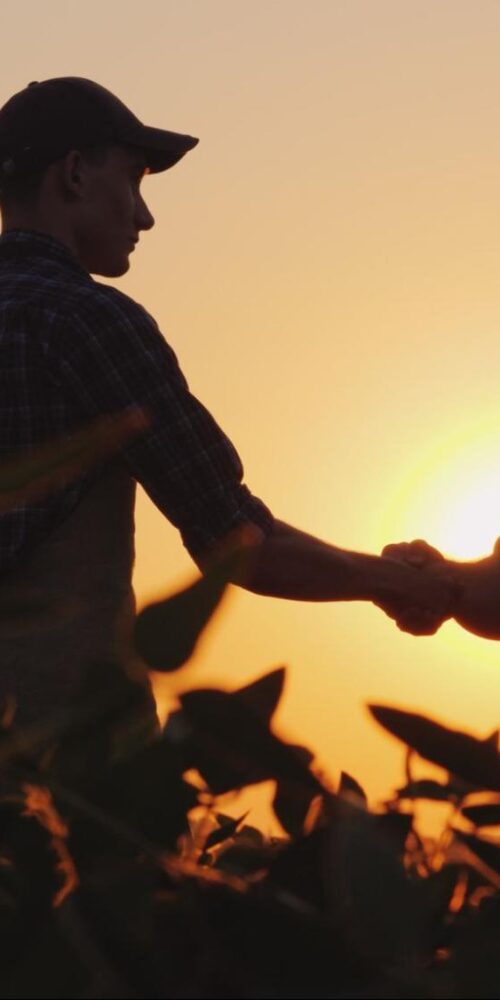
<point x="326" y="265"/>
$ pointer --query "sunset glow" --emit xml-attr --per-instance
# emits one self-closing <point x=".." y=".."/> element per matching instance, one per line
<point x="326" y="265"/>
<point x="455" y="493"/>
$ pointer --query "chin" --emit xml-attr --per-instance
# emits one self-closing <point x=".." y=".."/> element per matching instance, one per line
<point x="111" y="268"/>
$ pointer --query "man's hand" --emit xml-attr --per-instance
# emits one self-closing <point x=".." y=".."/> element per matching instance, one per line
<point x="439" y="588"/>
<point x="291" y="564"/>
<point x="417" y="553"/>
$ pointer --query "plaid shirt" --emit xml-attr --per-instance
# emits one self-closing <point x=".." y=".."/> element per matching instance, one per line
<point x="72" y="349"/>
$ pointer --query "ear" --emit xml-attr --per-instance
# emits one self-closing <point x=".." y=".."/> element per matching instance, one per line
<point x="74" y="173"/>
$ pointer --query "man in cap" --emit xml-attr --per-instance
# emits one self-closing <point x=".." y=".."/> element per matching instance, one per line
<point x="72" y="158"/>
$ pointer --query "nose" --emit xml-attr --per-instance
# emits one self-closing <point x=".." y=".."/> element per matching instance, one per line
<point x="143" y="219"/>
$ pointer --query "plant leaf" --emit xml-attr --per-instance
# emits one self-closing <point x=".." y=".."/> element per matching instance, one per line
<point x="427" y="789"/>
<point x="478" y="761"/>
<point x="300" y="868"/>
<point x="231" y="746"/>
<point x="291" y="804"/>
<point x="395" y="826"/>
<point x="486" y="850"/>
<point x="483" y="815"/>
<point x="223" y="832"/>
<point x="166" y="632"/>
<point x="351" y="789"/>
<point x="372" y="900"/>
<point x="262" y="696"/>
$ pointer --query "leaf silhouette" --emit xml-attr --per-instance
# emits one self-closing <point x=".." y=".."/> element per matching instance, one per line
<point x="373" y="902"/>
<point x="147" y="792"/>
<point x="349" y="787"/>
<point x="224" y="832"/>
<point x="483" y="815"/>
<point x="166" y="632"/>
<point x="52" y="466"/>
<point x="493" y="738"/>
<point x="478" y="761"/>
<point x="486" y="850"/>
<point x="301" y="867"/>
<point x="232" y="746"/>
<point x="116" y="811"/>
<point x="249" y="852"/>
<point x="303" y="753"/>
<point x="291" y="804"/>
<point x="245" y="859"/>
<point x="251" y="836"/>
<point x="395" y="827"/>
<point x="262" y="696"/>
<point x="434" y="895"/>
<point x="375" y="905"/>
<point x="427" y="789"/>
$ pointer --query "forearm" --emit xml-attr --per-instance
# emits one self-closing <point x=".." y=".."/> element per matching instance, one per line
<point x="478" y="608"/>
<point x="292" y="564"/>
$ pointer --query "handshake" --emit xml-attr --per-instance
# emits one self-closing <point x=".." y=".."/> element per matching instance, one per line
<point x="438" y="589"/>
<point x="412" y="582"/>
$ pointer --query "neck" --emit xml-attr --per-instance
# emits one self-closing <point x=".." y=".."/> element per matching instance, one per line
<point x="39" y="222"/>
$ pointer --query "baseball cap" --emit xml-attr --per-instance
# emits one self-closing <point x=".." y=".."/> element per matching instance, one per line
<point x="47" y="119"/>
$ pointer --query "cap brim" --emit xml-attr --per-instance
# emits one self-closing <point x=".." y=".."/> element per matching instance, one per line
<point x="162" y="149"/>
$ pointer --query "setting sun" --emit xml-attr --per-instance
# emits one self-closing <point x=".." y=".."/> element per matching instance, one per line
<point x="452" y="497"/>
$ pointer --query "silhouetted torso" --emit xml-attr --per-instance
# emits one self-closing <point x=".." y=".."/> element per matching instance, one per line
<point x="71" y="602"/>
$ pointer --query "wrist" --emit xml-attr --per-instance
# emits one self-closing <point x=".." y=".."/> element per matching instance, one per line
<point x="380" y="580"/>
<point x="452" y="573"/>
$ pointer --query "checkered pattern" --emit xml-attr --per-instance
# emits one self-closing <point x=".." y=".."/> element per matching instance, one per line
<point x="71" y="349"/>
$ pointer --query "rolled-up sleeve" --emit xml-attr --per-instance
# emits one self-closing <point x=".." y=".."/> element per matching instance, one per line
<point x="109" y="355"/>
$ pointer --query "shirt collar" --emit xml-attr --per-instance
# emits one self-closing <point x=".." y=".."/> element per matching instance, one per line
<point x="28" y="243"/>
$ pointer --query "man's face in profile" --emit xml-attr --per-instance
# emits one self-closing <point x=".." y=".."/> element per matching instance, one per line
<point x="113" y="211"/>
